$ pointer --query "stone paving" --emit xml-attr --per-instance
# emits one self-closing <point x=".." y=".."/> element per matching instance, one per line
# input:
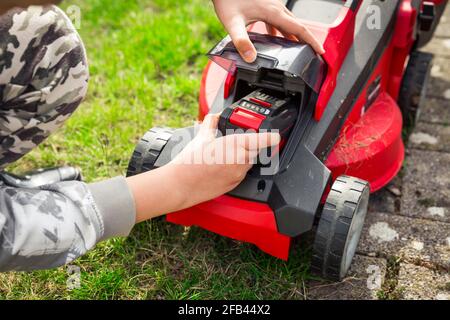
<point x="404" y="251"/>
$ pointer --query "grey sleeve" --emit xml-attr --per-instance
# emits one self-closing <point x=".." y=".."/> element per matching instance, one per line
<point x="55" y="224"/>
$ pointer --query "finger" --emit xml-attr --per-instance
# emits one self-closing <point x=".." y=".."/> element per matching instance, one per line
<point x="289" y="36"/>
<point x="209" y="125"/>
<point x="238" y="33"/>
<point x="289" y="12"/>
<point x="257" y="141"/>
<point x="274" y="32"/>
<point x="288" y="24"/>
<point x="271" y="30"/>
<point x="286" y="35"/>
<point x="246" y="157"/>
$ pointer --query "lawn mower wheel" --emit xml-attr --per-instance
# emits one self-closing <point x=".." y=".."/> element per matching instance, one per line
<point x="340" y="227"/>
<point x="414" y="86"/>
<point x="148" y="150"/>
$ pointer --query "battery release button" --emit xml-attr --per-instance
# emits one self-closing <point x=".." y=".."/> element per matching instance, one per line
<point x="246" y="119"/>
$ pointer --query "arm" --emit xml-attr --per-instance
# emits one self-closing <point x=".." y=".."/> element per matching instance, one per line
<point x="51" y="226"/>
<point x="48" y="227"/>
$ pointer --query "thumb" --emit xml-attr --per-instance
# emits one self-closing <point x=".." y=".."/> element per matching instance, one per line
<point x="241" y="40"/>
<point x="209" y="125"/>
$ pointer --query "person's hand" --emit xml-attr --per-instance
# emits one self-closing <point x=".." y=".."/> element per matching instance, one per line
<point x="206" y="168"/>
<point x="235" y="15"/>
<point x="224" y="163"/>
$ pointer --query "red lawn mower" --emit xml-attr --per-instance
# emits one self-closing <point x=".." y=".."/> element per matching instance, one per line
<point x="340" y="116"/>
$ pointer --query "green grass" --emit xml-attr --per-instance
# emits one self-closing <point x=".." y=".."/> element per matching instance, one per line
<point x="146" y="59"/>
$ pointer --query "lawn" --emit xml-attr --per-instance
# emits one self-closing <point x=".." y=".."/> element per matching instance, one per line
<point x="146" y="59"/>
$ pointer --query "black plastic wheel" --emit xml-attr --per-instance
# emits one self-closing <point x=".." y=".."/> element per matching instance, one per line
<point x="414" y="86"/>
<point x="148" y="150"/>
<point x="340" y="227"/>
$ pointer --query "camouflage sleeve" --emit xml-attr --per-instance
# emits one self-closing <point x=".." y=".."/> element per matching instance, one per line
<point x="55" y="224"/>
<point x="43" y="79"/>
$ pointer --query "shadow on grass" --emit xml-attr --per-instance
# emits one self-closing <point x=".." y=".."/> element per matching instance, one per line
<point x="191" y="263"/>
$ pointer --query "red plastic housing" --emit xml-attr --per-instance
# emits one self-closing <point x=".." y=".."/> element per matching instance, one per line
<point x="246" y="119"/>
<point x="238" y="219"/>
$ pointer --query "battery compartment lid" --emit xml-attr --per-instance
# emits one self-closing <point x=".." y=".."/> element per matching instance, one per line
<point x="273" y="53"/>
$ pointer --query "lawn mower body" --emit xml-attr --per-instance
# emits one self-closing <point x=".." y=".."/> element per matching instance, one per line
<point x="348" y="122"/>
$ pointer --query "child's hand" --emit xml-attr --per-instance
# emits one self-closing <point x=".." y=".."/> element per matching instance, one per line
<point x="207" y="168"/>
<point x="224" y="163"/>
<point x="237" y="14"/>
